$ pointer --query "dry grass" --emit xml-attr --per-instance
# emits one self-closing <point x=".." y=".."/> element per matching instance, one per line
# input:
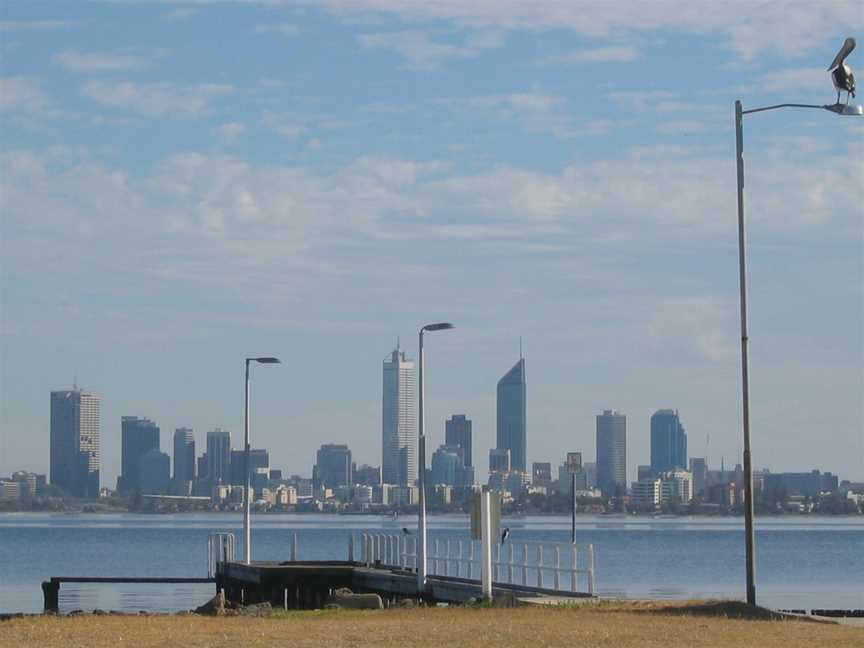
<point x="623" y="625"/>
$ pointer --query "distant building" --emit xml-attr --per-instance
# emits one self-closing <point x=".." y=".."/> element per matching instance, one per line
<point x="676" y="486"/>
<point x="457" y="433"/>
<point x="590" y="468"/>
<point x="138" y="437"/>
<point x="154" y="472"/>
<point x="184" y="455"/>
<point x="10" y="490"/>
<point x="645" y="494"/>
<point x="611" y="453"/>
<point x="668" y="442"/>
<point x="643" y="473"/>
<point x="565" y="480"/>
<point x="259" y="463"/>
<point x="812" y="483"/>
<point x="541" y="473"/>
<point x="218" y="456"/>
<point x="367" y="475"/>
<point x="446" y="462"/>
<point x="398" y="421"/>
<point x="75" y="440"/>
<point x="512" y="416"/>
<point x="499" y="460"/>
<point x="333" y="466"/>
<point x="699" y="468"/>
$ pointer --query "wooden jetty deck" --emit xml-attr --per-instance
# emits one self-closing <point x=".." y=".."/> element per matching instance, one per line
<point x="308" y="585"/>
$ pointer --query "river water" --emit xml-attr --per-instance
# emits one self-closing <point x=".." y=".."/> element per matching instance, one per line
<point x="801" y="562"/>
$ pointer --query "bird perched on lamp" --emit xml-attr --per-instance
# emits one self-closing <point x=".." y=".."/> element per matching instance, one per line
<point x="841" y="74"/>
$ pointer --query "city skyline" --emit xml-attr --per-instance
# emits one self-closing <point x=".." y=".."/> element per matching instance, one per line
<point x="171" y="207"/>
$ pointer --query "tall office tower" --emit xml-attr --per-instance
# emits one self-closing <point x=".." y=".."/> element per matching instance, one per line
<point x="333" y="466"/>
<point x="457" y="433"/>
<point x="259" y="459"/>
<point x="668" y="442"/>
<point x="75" y="431"/>
<point x="184" y="455"/>
<point x="218" y="456"/>
<point x="499" y="460"/>
<point x="699" y="468"/>
<point x="611" y="452"/>
<point x="541" y="473"/>
<point x="154" y="472"/>
<point x="512" y="420"/>
<point x="399" y="422"/>
<point x="138" y="437"/>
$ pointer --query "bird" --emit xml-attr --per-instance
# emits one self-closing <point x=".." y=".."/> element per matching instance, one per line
<point x="505" y="535"/>
<point x="841" y="74"/>
<point x="406" y="531"/>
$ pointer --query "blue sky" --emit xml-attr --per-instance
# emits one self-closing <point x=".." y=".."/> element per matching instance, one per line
<point x="188" y="183"/>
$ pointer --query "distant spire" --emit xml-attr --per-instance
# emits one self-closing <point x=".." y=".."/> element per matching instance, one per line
<point x="398" y="343"/>
<point x="75" y="380"/>
<point x="520" y="347"/>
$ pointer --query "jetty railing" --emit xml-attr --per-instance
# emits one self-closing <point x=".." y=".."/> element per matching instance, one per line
<point x="546" y="565"/>
<point x="220" y="548"/>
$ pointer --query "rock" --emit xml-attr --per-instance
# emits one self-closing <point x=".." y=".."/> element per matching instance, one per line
<point x="407" y="603"/>
<point x="332" y="606"/>
<point x="99" y="612"/>
<point x="256" y="610"/>
<point x="353" y="601"/>
<point x="214" y="607"/>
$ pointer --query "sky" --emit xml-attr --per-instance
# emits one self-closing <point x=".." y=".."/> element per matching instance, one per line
<point x="185" y="184"/>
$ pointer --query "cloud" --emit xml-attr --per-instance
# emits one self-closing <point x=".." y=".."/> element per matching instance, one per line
<point x="37" y="25"/>
<point x="21" y="93"/>
<point x="286" y="29"/>
<point x="77" y="61"/>
<point x="421" y="52"/>
<point x="157" y="99"/>
<point x="795" y="79"/>
<point x="231" y="131"/>
<point x="610" y="54"/>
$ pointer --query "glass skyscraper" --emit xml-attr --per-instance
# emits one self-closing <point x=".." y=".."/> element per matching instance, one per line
<point x="668" y="442"/>
<point x="399" y="421"/>
<point x="75" y="435"/>
<point x="457" y="433"/>
<point x="138" y="437"/>
<point x="184" y="455"/>
<point x="511" y="419"/>
<point x="611" y="452"/>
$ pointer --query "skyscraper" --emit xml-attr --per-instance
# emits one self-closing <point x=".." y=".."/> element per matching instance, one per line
<point x="668" y="442"/>
<point x="138" y="437"/>
<point x="184" y="455"/>
<point x="399" y="422"/>
<point x="218" y="456"/>
<point x="512" y="422"/>
<point x="457" y="433"/>
<point x="333" y="466"/>
<point x="611" y="452"/>
<point x="75" y="432"/>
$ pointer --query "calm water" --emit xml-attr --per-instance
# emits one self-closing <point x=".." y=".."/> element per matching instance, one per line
<point x="801" y="562"/>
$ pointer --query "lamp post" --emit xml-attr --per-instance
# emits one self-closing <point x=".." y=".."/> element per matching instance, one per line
<point x="421" y="452"/>
<point x="247" y="504"/>
<point x="749" y="535"/>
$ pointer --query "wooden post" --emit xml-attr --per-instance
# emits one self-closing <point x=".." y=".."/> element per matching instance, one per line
<point x="51" y="596"/>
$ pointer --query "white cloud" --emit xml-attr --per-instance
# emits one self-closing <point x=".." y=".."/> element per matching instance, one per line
<point x="795" y="79"/>
<point x="21" y="93"/>
<point x="421" y="52"/>
<point x="286" y="29"/>
<point x="230" y="131"/>
<point x="157" y="99"/>
<point x="77" y="61"/>
<point x="610" y="54"/>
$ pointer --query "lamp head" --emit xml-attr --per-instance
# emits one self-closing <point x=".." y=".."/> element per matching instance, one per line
<point x="440" y="326"/>
<point x="846" y="110"/>
<point x="267" y="360"/>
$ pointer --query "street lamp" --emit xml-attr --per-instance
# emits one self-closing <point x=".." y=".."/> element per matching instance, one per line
<point x="421" y="452"/>
<point x="247" y="507"/>
<point x="839" y="109"/>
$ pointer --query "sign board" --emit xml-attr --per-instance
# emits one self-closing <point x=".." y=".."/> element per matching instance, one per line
<point x="494" y="515"/>
<point x="574" y="462"/>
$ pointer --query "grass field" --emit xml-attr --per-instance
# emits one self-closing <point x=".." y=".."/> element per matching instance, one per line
<point x="622" y="625"/>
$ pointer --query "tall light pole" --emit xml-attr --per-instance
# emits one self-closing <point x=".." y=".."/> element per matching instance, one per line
<point x="421" y="461"/>
<point x="749" y="534"/>
<point x="247" y="503"/>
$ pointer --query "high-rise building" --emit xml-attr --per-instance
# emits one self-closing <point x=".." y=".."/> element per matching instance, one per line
<point x="699" y="469"/>
<point x="138" y="437"/>
<point x="75" y="434"/>
<point x="668" y="442"/>
<point x="367" y="475"/>
<point x="611" y="452"/>
<point x="154" y="472"/>
<point x="457" y="433"/>
<point x="218" y="456"/>
<point x="184" y="455"/>
<point x="446" y="463"/>
<point x="333" y="466"/>
<point x="511" y="420"/>
<point x="541" y="473"/>
<point x="259" y="459"/>
<point x="499" y="460"/>
<point x="399" y="422"/>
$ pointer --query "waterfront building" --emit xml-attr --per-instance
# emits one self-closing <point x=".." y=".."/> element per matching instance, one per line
<point x="668" y="442"/>
<point x="154" y="472"/>
<point x="184" y="455"/>
<point x="367" y="475"/>
<point x="398" y="421"/>
<point x="812" y="483"/>
<point x="259" y="464"/>
<point x="499" y="460"/>
<point x="676" y="486"/>
<point x="590" y="468"/>
<point x="333" y="466"/>
<point x="541" y="473"/>
<point x="511" y="416"/>
<point x="699" y="469"/>
<point x="218" y="456"/>
<point x="611" y="444"/>
<point x="645" y="494"/>
<point x="75" y="442"/>
<point x="457" y="433"/>
<point x="138" y="437"/>
<point x="446" y="462"/>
